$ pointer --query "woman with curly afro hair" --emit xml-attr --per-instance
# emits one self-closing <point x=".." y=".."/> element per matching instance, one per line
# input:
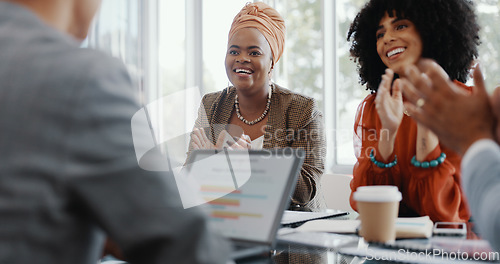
<point x="391" y="148"/>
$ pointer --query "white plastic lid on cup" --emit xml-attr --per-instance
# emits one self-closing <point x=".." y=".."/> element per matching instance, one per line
<point x="377" y="193"/>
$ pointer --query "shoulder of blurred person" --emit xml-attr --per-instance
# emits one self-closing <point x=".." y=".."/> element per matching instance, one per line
<point x="481" y="167"/>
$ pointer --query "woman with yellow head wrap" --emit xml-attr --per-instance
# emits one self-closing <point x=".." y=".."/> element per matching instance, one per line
<point x="257" y="112"/>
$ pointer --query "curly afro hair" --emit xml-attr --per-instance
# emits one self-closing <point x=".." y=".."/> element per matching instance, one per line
<point x="448" y="28"/>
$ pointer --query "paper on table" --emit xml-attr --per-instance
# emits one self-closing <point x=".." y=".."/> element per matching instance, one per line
<point x="332" y="226"/>
<point x="291" y="217"/>
<point x="406" y="227"/>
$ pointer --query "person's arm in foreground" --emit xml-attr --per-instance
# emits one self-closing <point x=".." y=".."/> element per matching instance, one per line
<point x="465" y="123"/>
<point x="140" y="210"/>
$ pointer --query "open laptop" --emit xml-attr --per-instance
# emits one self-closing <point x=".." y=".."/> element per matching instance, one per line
<point x="247" y="192"/>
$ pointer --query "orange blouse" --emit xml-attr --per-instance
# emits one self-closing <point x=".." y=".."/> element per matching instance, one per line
<point x="435" y="192"/>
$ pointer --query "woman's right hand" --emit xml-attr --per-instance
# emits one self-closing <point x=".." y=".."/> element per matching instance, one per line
<point x="199" y="140"/>
<point x="389" y="106"/>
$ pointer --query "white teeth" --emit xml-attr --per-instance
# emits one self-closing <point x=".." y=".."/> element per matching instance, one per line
<point x="395" y="51"/>
<point x="243" y="71"/>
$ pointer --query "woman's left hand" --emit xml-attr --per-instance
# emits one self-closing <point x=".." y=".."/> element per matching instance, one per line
<point x="243" y="142"/>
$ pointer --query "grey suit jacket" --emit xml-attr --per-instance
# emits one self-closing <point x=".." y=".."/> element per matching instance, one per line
<point x="481" y="181"/>
<point x="68" y="171"/>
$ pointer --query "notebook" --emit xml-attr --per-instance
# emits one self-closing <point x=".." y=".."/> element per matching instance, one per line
<point x="248" y="193"/>
<point x="406" y="227"/>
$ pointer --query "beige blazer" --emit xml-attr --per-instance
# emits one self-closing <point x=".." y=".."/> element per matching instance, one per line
<point x="294" y="121"/>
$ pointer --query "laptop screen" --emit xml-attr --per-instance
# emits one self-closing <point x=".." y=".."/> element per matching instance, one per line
<point x="246" y="191"/>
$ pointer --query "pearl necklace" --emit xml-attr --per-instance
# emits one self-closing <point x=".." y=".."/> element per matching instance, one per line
<point x="253" y="122"/>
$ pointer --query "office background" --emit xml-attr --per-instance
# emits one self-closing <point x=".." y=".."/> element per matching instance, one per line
<point x="172" y="48"/>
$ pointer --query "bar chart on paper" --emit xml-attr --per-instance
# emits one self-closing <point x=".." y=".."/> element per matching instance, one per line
<point x="241" y="212"/>
<point x="247" y="211"/>
<point x="230" y="206"/>
<point x="244" y="192"/>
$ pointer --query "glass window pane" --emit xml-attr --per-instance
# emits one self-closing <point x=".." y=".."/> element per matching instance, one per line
<point x="349" y="92"/>
<point x="217" y="18"/>
<point x="489" y="50"/>
<point x="169" y="112"/>
<point x="301" y="67"/>
<point x="116" y="31"/>
<point x="171" y="45"/>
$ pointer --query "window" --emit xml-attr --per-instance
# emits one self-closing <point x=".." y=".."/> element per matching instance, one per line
<point x="175" y="50"/>
<point x="216" y="22"/>
<point x="489" y="51"/>
<point x="117" y="32"/>
<point x="316" y="63"/>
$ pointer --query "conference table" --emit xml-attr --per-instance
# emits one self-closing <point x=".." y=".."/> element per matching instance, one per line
<point x="331" y="248"/>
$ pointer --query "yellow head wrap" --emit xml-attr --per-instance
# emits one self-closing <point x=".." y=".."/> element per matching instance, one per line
<point x="265" y="19"/>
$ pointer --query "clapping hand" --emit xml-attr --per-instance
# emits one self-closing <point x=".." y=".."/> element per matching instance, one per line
<point x="201" y="141"/>
<point x="242" y="142"/>
<point x="457" y="118"/>
<point x="389" y="105"/>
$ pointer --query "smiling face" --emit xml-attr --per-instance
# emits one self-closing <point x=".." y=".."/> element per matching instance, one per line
<point x="248" y="61"/>
<point x="398" y="42"/>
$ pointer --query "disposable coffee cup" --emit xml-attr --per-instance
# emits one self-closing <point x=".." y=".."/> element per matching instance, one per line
<point x="378" y="210"/>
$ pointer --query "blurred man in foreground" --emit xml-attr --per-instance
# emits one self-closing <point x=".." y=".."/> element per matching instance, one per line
<point x="69" y="174"/>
